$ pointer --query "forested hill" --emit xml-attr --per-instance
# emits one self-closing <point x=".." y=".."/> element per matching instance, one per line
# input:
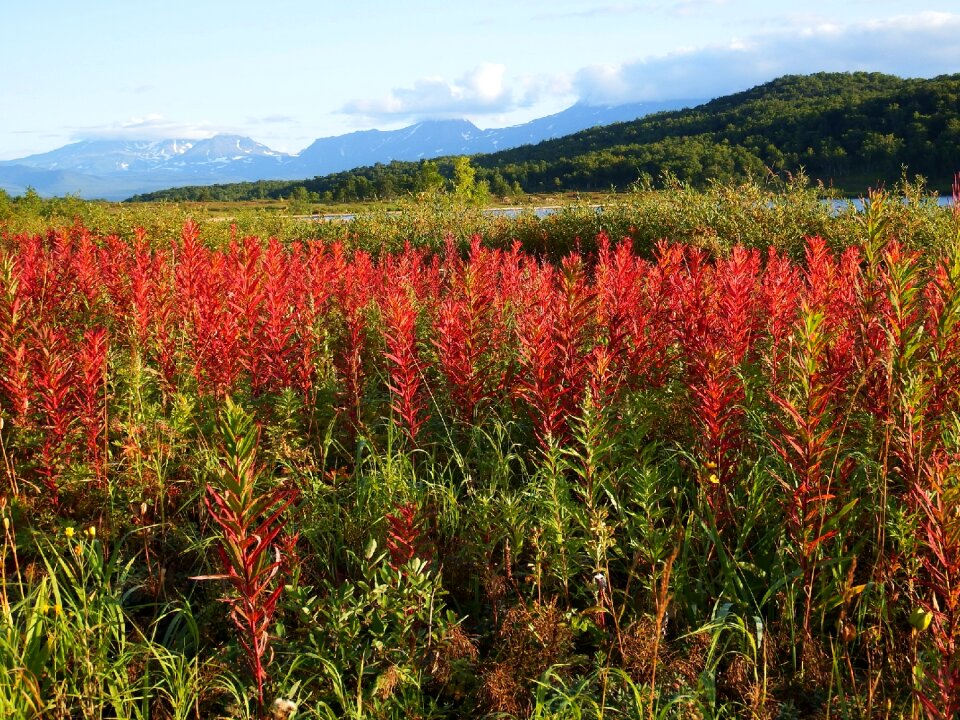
<point x="849" y="130"/>
<point x="852" y="129"/>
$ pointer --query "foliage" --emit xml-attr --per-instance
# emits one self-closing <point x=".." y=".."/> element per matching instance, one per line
<point x="625" y="477"/>
<point x="249" y="551"/>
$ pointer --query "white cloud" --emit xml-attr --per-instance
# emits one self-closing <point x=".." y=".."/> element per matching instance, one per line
<point x="920" y="45"/>
<point x="148" y="127"/>
<point x="484" y="90"/>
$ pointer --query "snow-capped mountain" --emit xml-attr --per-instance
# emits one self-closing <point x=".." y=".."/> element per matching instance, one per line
<point x="99" y="157"/>
<point x="431" y="138"/>
<point x="116" y="169"/>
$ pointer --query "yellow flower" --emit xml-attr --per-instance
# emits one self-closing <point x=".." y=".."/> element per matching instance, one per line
<point x="42" y="607"/>
<point x="69" y="532"/>
<point x="714" y="480"/>
<point x="710" y="465"/>
<point x="58" y="609"/>
<point x="92" y="532"/>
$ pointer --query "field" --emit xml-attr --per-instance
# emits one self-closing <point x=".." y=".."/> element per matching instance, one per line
<point x="697" y="455"/>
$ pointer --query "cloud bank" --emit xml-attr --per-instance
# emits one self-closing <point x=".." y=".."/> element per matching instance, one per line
<point x="482" y="91"/>
<point x="920" y="45"/>
<point x="910" y="46"/>
<point x="148" y="127"/>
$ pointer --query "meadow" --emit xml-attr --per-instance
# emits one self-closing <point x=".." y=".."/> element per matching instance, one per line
<point x="694" y="456"/>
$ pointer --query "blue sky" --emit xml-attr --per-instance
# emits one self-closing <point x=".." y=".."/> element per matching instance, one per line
<point x="289" y="71"/>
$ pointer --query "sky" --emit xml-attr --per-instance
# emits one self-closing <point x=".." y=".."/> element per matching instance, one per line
<point x="289" y="71"/>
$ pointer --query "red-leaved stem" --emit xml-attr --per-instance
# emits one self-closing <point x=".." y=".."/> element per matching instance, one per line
<point x="14" y="358"/>
<point x="469" y="331"/>
<point x="54" y="379"/>
<point x="936" y="496"/>
<point x="250" y="521"/>
<point x="92" y="360"/>
<point x="405" y="369"/>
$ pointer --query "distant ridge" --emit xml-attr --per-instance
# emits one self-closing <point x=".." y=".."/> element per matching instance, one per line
<point x="850" y="131"/>
<point x="116" y="169"/>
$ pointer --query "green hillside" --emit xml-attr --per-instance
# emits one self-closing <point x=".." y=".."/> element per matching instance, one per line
<point x="848" y="130"/>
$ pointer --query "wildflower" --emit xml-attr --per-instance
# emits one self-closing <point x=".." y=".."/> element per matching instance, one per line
<point x="42" y="607"/>
<point x="58" y="609"/>
<point x="710" y="465"/>
<point x="283" y="709"/>
<point x="714" y="480"/>
<point x="92" y="532"/>
<point x="69" y="532"/>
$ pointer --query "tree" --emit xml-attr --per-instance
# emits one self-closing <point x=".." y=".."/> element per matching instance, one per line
<point x="298" y="202"/>
<point x="30" y="203"/>
<point x="465" y="184"/>
<point x="6" y="205"/>
<point x="428" y="178"/>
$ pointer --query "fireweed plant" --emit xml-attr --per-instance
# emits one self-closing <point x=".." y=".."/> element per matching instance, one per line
<point x="589" y="472"/>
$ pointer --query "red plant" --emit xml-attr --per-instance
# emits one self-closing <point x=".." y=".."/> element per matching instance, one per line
<point x="241" y="298"/>
<point x="651" y="352"/>
<point x="405" y="369"/>
<point x="214" y="329"/>
<point x="807" y="438"/>
<point x="469" y="331"/>
<point x="142" y="276"/>
<point x="555" y="337"/>
<point x="277" y="333"/>
<point x="54" y="380"/>
<point x="616" y="282"/>
<point x="717" y="392"/>
<point x="86" y="270"/>
<point x="574" y="330"/>
<point x="289" y="305"/>
<point x="936" y="496"/>
<point x="942" y="332"/>
<point x="404" y="539"/>
<point x="905" y="405"/>
<point x="720" y="346"/>
<point x="540" y="382"/>
<point x="353" y="283"/>
<point x="628" y="310"/>
<point x="780" y="293"/>
<point x="250" y="521"/>
<point x="92" y="361"/>
<point x="14" y="358"/>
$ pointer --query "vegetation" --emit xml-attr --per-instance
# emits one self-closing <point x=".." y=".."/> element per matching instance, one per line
<point x="756" y="215"/>
<point x="849" y="131"/>
<point x="706" y="466"/>
<point x="398" y="179"/>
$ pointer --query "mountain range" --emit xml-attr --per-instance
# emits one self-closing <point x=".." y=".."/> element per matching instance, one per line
<point x="117" y="169"/>
<point x="849" y="131"/>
